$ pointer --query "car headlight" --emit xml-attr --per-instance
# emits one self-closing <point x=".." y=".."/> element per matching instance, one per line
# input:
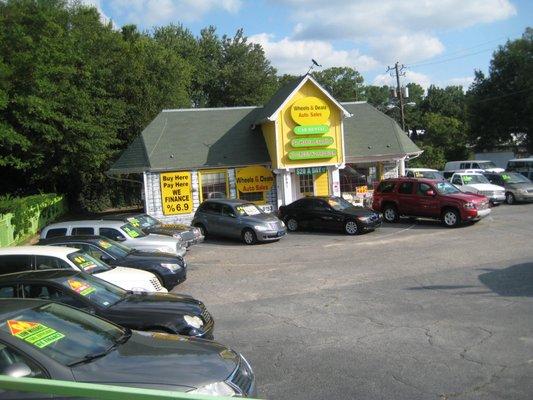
<point x="215" y="389"/>
<point x="178" y="236"/>
<point x="261" y="228"/>
<point x="193" y="321"/>
<point x="172" y="267"/>
<point x="524" y="191"/>
<point x="469" y="206"/>
<point x="367" y="218"/>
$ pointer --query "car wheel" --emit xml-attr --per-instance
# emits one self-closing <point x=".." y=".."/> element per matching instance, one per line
<point x="390" y="213"/>
<point x="451" y="217"/>
<point x="292" y="224"/>
<point x="203" y="231"/>
<point x="351" y="228"/>
<point x="249" y="236"/>
<point x="509" y="198"/>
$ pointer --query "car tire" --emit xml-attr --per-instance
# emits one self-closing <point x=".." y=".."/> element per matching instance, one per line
<point x="509" y="198"/>
<point x="390" y="213"/>
<point x="203" y="231"/>
<point x="249" y="237"/>
<point x="351" y="227"/>
<point x="292" y="224"/>
<point x="451" y="218"/>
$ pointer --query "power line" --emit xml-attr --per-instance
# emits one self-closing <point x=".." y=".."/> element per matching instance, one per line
<point x="502" y="96"/>
<point x="448" y="59"/>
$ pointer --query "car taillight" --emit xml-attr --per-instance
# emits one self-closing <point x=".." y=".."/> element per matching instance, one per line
<point x="469" y="206"/>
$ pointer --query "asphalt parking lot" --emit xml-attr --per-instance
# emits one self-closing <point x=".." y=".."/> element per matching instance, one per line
<point x="411" y="311"/>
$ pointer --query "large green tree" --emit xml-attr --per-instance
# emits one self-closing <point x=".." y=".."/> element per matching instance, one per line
<point x="343" y="83"/>
<point x="500" y="105"/>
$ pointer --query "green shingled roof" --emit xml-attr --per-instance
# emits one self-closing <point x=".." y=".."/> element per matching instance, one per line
<point x="370" y="133"/>
<point x="210" y="138"/>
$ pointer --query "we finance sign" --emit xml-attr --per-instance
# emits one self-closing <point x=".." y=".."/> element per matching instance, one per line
<point x="176" y="193"/>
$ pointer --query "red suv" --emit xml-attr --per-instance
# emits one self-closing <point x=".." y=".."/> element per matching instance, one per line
<point x="428" y="198"/>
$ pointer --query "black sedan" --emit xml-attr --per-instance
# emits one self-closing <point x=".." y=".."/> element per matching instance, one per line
<point x="329" y="213"/>
<point x="170" y="269"/>
<point x="43" y="339"/>
<point x="163" y="312"/>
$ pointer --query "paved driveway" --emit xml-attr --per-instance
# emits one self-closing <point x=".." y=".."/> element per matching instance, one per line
<point x="412" y="311"/>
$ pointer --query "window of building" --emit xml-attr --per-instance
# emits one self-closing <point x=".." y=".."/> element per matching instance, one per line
<point x="214" y="185"/>
<point x="253" y="197"/>
<point x="306" y="184"/>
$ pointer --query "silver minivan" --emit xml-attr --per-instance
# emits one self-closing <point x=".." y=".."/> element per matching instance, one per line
<point x="116" y="230"/>
<point x="238" y="219"/>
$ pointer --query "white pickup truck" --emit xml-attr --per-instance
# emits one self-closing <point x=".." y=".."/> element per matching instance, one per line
<point x="473" y="182"/>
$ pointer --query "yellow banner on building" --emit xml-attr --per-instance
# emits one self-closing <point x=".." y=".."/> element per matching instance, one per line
<point x="176" y="193"/>
<point x="254" y="179"/>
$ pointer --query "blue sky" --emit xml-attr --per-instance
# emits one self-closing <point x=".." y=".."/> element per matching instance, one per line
<point x="441" y="41"/>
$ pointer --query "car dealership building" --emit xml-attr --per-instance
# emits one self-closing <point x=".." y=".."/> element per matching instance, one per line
<point x="301" y="142"/>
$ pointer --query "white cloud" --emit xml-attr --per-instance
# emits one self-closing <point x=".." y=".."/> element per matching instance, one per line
<point x="294" y="56"/>
<point x="159" y="12"/>
<point x="98" y="5"/>
<point x="410" y="76"/>
<point x="403" y="29"/>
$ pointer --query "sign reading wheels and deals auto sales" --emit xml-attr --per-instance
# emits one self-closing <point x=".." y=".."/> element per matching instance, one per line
<point x="312" y="116"/>
<point x="176" y="192"/>
<point x="254" y="179"/>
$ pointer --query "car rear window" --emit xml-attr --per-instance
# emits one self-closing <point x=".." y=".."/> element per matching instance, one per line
<point x="386" y="187"/>
<point x="82" y="231"/>
<point x="56" y="232"/>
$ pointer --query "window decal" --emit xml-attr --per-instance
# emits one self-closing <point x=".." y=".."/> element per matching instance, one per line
<point x="37" y="334"/>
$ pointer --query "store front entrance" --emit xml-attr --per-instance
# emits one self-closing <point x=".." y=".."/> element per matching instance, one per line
<point x="311" y="182"/>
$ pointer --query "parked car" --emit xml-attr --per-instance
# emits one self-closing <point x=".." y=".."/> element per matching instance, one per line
<point x="238" y="219"/>
<point x="485" y="165"/>
<point x="417" y="197"/>
<point x="80" y="347"/>
<point x="523" y="166"/>
<point x="517" y="186"/>
<point x="329" y="213"/>
<point x="163" y="312"/>
<point x="30" y="258"/>
<point x="119" y="231"/>
<point x="188" y="234"/>
<point x="477" y="183"/>
<point x="170" y="269"/>
<point x="423" y="173"/>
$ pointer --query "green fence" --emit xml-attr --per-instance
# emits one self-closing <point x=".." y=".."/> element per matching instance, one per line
<point x="95" y="391"/>
<point x="22" y="217"/>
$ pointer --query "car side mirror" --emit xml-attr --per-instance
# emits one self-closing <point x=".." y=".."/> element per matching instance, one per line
<point x="17" y="370"/>
<point x="105" y="258"/>
<point x="431" y="193"/>
<point x="120" y="239"/>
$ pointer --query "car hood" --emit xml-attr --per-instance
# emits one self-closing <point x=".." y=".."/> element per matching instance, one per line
<point x="160" y="359"/>
<point x="158" y="303"/>
<point x="157" y="240"/>
<point x="127" y="278"/>
<point x="261" y="218"/>
<point x="525" y="185"/>
<point x="144" y="257"/>
<point x="483" y="186"/>
<point x="359" y="211"/>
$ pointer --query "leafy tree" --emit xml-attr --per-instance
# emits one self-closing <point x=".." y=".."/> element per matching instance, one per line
<point x="501" y="105"/>
<point x="378" y="96"/>
<point x="432" y="157"/>
<point x="285" y="79"/>
<point x="448" y="134"/>
<point x="343" y="83"/>
<point x="450" y="101"/>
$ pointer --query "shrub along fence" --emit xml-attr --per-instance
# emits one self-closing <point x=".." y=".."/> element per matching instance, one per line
<point x="22" y="217"/>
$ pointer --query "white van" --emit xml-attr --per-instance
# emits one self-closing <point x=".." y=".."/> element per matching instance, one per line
<point x="485" y="165"/>
<point x="28" y="258"/>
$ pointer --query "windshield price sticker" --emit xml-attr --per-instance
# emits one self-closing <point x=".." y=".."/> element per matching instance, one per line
<point x="248" y="210"/>
<point x="134" y="221"/>
<point x="506" y="177"/>
<point x="37" y="334"/>
<point x="131" y="232"/>
<point x="79" y="287"/>
<point x="84" y="264"/>
<point x="467" y="178"/>
<point x="104" y="244"/>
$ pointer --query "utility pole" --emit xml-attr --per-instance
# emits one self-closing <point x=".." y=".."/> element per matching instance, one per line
<point x="398" y="70"/>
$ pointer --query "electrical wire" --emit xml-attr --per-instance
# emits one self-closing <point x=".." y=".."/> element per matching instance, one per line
<point x="503" y="95"/>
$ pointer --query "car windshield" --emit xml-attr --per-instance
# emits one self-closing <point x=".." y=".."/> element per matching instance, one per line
<point x="513" y="177"/>
<point x="247" y="210"/>
<point x="487" y="165"/>
<point x="143" y="221"/>
<point x="132" y="231"/>
<point x="428" y="175"/>
<point x="446" y="188"/>
<point x="87" y="264"/>
<point x="474" y="178"/>
<point x="338" y="203"/>
<point x="62" y="333"/>
<point x="95" y="290"/>
<point x="116" y="249"/>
